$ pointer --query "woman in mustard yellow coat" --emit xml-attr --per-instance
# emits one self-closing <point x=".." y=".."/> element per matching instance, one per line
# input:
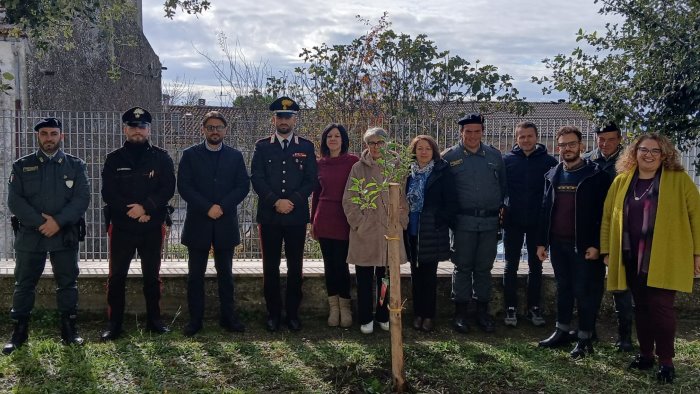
<point x="650" y="237"/>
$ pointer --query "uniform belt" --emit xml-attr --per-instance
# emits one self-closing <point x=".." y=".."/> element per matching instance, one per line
<point x="481" y="213"/>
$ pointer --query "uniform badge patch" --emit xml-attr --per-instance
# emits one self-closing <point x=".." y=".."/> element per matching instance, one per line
<point x="456" y="162"/>
<point x="300" y="154"/>
<point x="69" y="183"/>
<point x="30" y="169"/>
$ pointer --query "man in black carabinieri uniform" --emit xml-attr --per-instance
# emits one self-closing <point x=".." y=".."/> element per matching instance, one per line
<point x="48" y="194"/>
<point x="213" y="180"/>
<point x="138" y="180"/>
<point x="283" y="174"/>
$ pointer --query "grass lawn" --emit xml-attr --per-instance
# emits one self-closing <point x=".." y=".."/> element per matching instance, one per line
<point x="320" y="359"/>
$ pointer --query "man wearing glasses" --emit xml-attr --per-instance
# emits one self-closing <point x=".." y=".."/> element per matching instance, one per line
<point x="213" y="180"/>
<point x="283" y="174"/>
<point x="480" y="178"/>
<point x="138" y="180"/>
<point x="572" y="209"/>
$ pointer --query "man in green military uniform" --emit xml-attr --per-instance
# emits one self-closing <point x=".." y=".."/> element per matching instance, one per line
<point x="48" y="195"/>
<point x="480" y="178"/>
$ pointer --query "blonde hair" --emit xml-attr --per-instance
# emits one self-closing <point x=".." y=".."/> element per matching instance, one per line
<point x="670" y="158"/>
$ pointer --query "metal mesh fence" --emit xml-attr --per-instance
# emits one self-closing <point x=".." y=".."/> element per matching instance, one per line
<point x="91" y="135"/>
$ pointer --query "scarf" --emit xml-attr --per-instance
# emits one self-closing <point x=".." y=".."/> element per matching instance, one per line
<point x="416" y="186"/>
<point x="651" y="200"/>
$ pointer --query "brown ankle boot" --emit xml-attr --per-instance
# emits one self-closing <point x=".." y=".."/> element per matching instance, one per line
<point x="345" y="312"/>
<point x="334" y="312"/>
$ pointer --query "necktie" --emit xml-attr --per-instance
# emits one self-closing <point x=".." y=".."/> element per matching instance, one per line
<point x="284" y="144"/>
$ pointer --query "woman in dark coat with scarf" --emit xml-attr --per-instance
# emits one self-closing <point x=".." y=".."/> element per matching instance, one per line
<point x="432" y="201"/>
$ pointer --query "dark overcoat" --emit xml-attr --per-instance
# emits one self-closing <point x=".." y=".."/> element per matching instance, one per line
<point x="203" y="179"/>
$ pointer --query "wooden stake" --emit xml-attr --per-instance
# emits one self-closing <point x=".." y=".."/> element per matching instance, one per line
<point x="394" y="241"/>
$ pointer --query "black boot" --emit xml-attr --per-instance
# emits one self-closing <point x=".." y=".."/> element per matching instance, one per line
<point x="483" y="319"/>
<point x="666" y="374"/>
<point x="69" y="333"/>
<point x="557" y="339"/>
<point x="19" y="336"/>
<point x="624" y="335"/>
<point x="583" y="348"/>
<point x="460" y="321"/>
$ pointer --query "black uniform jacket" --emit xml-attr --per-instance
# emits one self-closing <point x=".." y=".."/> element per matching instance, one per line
<point x="289" y="174"/>
<point x="149" y="182"/>
<point x="206" y="178"/>
<point x="56" y="187"/>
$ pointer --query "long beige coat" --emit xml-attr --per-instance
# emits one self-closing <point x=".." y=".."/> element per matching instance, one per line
<point x="368" y="245"/>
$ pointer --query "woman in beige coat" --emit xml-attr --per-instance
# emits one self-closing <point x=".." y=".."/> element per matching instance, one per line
<point x="368" y="245"/>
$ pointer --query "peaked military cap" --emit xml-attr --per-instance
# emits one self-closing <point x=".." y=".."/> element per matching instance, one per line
<point x="284" y="105"/>
<point x="471" y="119"/>
<point x="47" y="122"/>
<point x="609" y="127"/>
<point x="136" y="116"/>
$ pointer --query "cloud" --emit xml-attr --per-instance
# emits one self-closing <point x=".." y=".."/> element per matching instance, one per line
<point x="513" y="35"/>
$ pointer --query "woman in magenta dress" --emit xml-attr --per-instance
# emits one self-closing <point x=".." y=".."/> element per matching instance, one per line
<point x="329" y="224"/>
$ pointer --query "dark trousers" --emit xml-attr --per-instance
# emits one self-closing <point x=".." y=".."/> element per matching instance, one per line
<point x="656" y="320"/>
<point x="624" y="305"/>
<point x="368" y="277"/>
<point x="337" y="272"/>
<point x="271" y="238"/>
<point x="423" y="283"/>
<point x="578" y="282"/>
<point x="122" y="245"/>
<point x="424" y="288"/>
<point x="28" y="269"/>
<point x="197" y="266"/>
<point x="513" y="236"/>
<point x="473" y="258"/>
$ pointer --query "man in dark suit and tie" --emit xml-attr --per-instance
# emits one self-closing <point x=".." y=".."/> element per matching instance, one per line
<point x="213" y="180"/>
<point x="283" y="173"/>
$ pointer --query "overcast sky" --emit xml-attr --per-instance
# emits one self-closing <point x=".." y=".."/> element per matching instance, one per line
<point x="510" y="34"/>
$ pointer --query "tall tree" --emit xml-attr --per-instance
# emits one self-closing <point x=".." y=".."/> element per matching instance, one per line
<point x="384" y="75"/>
<point x="641" y="72"/>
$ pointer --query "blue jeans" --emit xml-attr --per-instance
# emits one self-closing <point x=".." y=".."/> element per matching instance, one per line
<point x="578" y="281"/>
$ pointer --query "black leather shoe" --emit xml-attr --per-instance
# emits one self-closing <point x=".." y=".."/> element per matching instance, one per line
<point x="558" y="339"/>
<point x="483" y="319"/>
<point x="460" y="320"/>
<point x="157" y="327"/>
<point x="666" y="374"/>
<point x="111" y="334"/>
<point x="232" y="325"/>
<point x="417" y="323"/>
<point x="20" y="334"/>
<point x="272" y="324"/>
<point x="583" y="348"/>
<point x="191" y="329"/>
<point x="642" y="363"/>
<point x="69" y="332"/>
<point x="294" y="324"/>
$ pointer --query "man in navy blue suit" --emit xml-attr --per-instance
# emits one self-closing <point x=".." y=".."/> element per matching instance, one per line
<point x="213" y="180"/>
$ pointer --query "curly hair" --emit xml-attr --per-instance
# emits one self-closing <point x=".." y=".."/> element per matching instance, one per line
<point x="670" y="158"/>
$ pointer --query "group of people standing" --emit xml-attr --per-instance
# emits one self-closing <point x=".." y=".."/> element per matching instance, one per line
<point x="453" y="207"/>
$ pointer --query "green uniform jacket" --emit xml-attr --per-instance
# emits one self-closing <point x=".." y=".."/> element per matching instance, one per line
<point x="56" y="187"/>
<point x="676" y="232"/>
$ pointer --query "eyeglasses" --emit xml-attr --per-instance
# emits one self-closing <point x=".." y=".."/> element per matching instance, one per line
<point x="376" y="143"/>
<point x="211" y="128"/>
<point x="654" y="151"/>
<point x="570" y="145"/>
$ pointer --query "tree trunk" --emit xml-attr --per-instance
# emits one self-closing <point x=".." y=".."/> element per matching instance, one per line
<point x="395" y="289"/>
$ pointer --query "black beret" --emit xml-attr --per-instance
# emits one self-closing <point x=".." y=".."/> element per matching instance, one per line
<point x="471" y="119"/>
<point x="47" y="122"/>
<point x="136" y="116"/>
<point x="284" y="105"/>
<point x="609" y="127"/>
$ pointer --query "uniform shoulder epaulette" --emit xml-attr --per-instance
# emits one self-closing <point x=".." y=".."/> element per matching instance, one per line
<point x="495" y="150"/>
<point x="158" y="149"/>
<point x="262" y="139"/>
<point x="27" y="158"/>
